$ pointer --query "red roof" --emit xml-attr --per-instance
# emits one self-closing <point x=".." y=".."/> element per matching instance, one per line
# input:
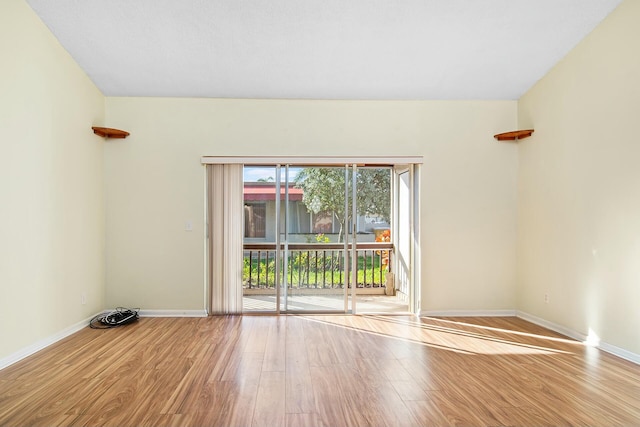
<point x="261" y="191"/>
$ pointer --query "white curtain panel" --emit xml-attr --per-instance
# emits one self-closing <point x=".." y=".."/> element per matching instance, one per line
<point x="225" y="206"/>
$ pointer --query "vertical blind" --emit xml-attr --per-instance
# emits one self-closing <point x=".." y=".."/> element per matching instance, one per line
<point x="225" y="223"/>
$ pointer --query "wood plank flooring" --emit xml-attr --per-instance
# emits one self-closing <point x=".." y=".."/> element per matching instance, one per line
<point x="320" y="370"/>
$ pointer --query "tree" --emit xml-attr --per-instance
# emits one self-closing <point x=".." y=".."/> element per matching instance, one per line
<point x="324" y="191"/>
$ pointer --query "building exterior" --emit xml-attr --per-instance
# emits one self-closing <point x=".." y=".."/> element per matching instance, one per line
<point x="303" y="226"/>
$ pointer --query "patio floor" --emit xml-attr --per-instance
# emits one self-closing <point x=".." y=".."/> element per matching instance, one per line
<point x="320" y="303"/>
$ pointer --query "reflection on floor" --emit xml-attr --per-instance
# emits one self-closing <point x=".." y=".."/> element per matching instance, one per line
<point x="319" y="303"/>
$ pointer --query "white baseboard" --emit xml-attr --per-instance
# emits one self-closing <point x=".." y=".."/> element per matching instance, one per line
<point x="43" y="343"/>
<point x="552" y="326"/>
<point x="620" y="352"/>
<point x="616" y="351"/>
<point x="172" y="313"/>
<point x="469" y="313"/>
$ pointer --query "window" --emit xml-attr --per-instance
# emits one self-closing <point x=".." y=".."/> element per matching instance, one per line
<point x="322" y="222"/>
<point x="255" y="220"/>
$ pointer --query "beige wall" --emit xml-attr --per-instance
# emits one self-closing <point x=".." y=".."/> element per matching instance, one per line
<point x="579" y="187"/>
<point x="51" y="192"/>
<point x="154" y="183"/>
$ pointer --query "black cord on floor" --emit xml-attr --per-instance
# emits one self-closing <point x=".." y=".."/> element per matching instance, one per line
<point x="121" y="316"/>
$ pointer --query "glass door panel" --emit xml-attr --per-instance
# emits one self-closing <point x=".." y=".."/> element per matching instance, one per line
<point x="314" y="239"/>
<point x="402" y="240"/>
<point x="375" y="291"/>
<point x="259" y="275"/>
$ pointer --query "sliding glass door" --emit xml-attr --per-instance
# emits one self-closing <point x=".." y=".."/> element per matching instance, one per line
<point x="319" y="238"/>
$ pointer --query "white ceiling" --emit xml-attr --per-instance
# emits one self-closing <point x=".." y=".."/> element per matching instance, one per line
<point x="320" y="49"/>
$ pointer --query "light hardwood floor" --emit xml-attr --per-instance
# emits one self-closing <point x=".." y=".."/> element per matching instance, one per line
<point x="320" y="370"/>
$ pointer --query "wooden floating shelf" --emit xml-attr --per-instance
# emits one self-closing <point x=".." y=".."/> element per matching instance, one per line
<point x="514" y="135"/>
<point x="109" y="132"/>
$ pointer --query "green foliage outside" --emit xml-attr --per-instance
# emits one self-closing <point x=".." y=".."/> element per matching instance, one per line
<point x="324" y="190"/>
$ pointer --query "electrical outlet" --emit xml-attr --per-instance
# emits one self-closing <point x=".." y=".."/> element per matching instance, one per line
<point x="546" y="298"/>
<point x="83" y="298"/>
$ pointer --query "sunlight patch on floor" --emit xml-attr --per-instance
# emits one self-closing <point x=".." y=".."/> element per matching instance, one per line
<point x="452" y="339"/>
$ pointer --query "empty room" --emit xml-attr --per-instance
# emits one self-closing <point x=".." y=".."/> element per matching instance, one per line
<point x="319" y="213"/>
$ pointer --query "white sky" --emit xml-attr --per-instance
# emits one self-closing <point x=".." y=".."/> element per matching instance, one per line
<point x="254" y="173"/>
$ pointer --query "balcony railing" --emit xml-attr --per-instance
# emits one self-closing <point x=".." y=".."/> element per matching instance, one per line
<point x="315" y="265"/>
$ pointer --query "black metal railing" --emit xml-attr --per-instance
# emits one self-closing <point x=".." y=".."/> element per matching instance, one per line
<point x="315" y="265"/>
